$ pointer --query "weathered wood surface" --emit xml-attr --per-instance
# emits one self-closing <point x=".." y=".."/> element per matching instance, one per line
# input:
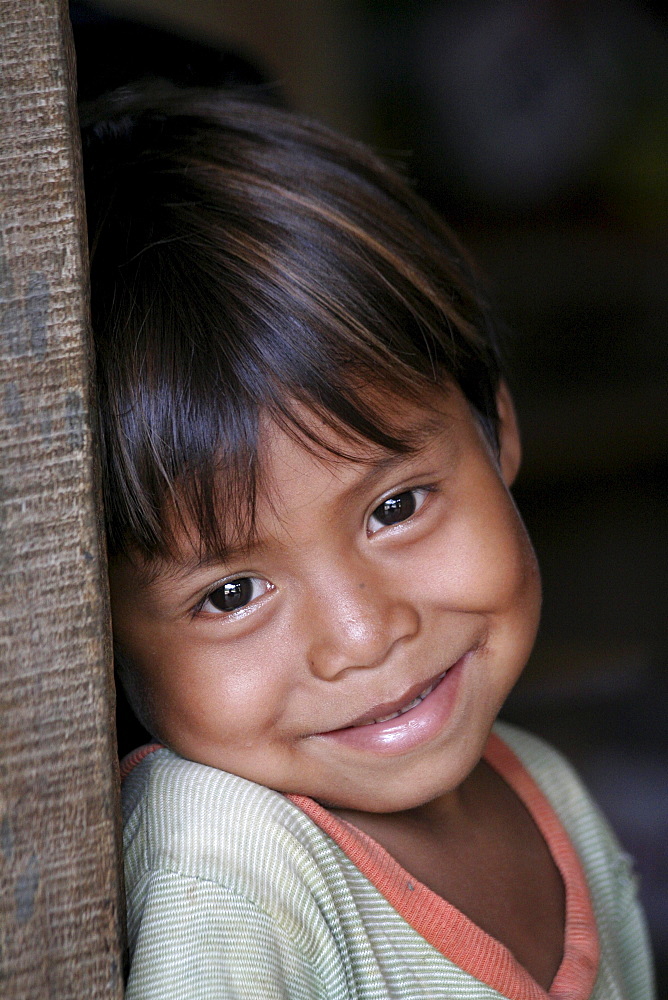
<point x="59" y="890"/>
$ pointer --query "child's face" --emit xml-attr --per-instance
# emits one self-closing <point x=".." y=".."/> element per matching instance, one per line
<point x="372" y="582"/>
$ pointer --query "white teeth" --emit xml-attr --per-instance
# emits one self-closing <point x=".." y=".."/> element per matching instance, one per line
<point x="386" y="718"/>
<point x="407" y="708"/>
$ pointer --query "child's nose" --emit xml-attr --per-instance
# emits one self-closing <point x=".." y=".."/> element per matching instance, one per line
<point x="355" y="623"/>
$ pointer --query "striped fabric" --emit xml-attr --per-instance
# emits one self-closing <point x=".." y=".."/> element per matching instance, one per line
<point x="236" y="891"/>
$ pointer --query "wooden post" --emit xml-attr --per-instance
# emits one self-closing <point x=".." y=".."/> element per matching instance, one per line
<point x="60" y="902"/>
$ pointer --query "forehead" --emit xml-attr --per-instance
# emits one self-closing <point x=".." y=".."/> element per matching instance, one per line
<point x="296" y="472"/>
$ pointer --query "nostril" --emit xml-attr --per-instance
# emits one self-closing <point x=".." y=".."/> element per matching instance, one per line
<point x="352" y="634"/>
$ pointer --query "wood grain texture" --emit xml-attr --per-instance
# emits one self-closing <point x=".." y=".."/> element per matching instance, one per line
<point x="60" y="898"/>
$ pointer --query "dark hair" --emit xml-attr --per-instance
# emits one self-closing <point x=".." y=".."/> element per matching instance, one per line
<point x="246" y="262"/>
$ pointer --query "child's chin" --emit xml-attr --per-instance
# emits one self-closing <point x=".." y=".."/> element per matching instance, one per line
<point x="389" y="801"/>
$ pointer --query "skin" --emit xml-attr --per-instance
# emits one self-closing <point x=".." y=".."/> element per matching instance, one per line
<point x="349" y="614"/>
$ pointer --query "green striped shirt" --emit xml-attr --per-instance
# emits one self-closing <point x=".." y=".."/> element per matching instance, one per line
<point x="234" y="892"/>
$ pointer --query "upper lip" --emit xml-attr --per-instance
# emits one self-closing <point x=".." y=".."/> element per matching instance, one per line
<point x="389" y="707"/>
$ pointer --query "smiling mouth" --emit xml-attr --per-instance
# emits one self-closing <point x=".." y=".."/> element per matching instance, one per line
<point x="398" y="727"/>
<point x="388" y="710"/>
<point x="405" y="708"/>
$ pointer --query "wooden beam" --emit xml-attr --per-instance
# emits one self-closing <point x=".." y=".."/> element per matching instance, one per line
<point x="60" y="902"/>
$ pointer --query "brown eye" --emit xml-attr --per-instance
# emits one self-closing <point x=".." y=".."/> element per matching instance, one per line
<point x="232" y="595"/>
<point x="397" y="508"/>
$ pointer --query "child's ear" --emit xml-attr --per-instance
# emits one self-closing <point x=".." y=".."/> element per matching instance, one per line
<point x="510" y="445"/>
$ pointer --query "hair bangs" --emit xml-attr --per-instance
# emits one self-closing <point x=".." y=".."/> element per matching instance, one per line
<point x="190" y="441"/>
<point x="249" y="265"/>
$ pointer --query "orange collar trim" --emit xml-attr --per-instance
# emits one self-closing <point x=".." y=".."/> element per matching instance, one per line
<point x="445" y="927"/>
<point x="453" y="934"/>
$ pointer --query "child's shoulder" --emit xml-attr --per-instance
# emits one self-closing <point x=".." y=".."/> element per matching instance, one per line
<point x="199" y="821"/>
<point x="583" y="822"/>
<point x="231" y="875"/>
<point x="549" y="768"/>
<point x="554" y="775"/>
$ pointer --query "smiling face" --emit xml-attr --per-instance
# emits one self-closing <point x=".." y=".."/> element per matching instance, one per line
<point x="397" y="583"/>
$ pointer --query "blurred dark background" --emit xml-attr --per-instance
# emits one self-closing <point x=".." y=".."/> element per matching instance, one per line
<point x="541" y="131"/>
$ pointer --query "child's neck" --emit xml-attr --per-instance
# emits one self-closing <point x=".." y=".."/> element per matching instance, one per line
<point x="479" y="849"/>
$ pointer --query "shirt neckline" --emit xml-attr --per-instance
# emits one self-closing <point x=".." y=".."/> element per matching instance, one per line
<point x="444" y="926"/>
<point x="452" y="933"/>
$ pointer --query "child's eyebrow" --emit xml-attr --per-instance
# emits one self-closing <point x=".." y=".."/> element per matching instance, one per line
<point x="379" y="468"/>
<point x="420" y="435"/>
<point x="178" y="569"/>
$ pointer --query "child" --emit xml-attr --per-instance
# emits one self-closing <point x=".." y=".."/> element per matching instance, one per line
<point x="322" y="592"/>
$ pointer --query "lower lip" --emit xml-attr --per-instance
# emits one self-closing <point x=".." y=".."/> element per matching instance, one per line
<point x="413" y="728"/>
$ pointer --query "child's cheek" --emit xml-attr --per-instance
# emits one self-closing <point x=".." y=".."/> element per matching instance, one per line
<point x="232" y="697"/>
<point x="487" y="562"/>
